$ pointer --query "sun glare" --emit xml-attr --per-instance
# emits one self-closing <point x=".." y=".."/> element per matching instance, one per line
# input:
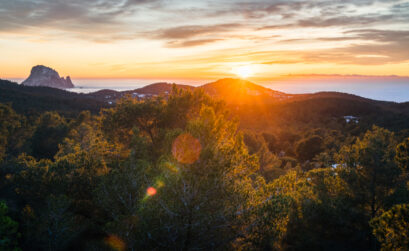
<point x="243" y="71"/>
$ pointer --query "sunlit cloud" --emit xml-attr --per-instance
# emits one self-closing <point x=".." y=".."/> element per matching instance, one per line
<point x="183" y="32"/>
<point x="189" y="43"/>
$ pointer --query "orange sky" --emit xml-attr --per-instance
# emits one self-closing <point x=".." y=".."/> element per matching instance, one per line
<point x="204" y="39"/>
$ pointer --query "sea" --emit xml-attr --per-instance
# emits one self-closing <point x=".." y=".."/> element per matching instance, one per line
<point x="386" y="89"/>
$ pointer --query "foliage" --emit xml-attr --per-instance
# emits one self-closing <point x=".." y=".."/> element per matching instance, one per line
<point x="50" y="131"/>
<point x="370" y="168"/>
<point x="11" y="130"/>
<point x="182" y="172"/>
<point x="8" y="230"/>
<point x="307" y="148"/>
<point x="392" y="228"/>
<point x="402" y="155"/>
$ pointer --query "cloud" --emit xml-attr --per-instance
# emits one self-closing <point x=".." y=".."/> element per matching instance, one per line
<point x="191" y="43"/>
<point x="391" y="47"/>
<point x="343" y="14"/>
<point x="340" y="21"/>
<point x="189" y="31"/>
<point x="294" y="8"/>
<point x="282" y="62"/>
<point x="388" y="36"/>
<point x="363" y="47"/>
<point x="378" y="47"/>
<point x="194" y="35"/>
<point x="74" y="16"/>
<point x="343" y="21"/>
<point x="179" y="23"/>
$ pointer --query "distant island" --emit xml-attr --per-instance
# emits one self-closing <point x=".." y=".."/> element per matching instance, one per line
<point x="45" y="76"/>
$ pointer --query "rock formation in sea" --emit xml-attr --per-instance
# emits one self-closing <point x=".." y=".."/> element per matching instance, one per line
<point x="44" y="76"/>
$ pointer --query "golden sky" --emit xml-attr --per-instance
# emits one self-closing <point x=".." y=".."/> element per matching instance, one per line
<point x="205" y="39"/>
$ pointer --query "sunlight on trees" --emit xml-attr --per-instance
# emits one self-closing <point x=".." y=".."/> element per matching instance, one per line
<point x="180" y="173"/>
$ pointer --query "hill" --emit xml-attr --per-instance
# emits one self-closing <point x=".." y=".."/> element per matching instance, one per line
<point x="159" y="89"/>
<point x="25" y="99"/>
<point x="258" y="108"/>
<point x="238" y="91"/>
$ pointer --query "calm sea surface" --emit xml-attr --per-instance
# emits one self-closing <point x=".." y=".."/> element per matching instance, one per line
<point x="387" y="90"/>
<point x="396" y="90"/>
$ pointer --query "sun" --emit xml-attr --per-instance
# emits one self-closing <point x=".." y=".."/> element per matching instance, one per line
<point x="243" y="71"/>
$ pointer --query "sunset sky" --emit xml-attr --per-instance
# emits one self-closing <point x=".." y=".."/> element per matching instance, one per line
<point x="204" y="39"/>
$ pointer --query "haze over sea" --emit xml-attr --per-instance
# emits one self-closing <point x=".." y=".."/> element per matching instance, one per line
<point x="388" y="89"/>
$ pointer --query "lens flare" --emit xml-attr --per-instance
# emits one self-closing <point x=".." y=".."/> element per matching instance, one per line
<point x="151" y="191"/>
<point x="115" y="242"/>
<point x="186" y="149"/>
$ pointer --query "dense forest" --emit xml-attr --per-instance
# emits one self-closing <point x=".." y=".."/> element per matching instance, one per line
<point x="188" y="171"/>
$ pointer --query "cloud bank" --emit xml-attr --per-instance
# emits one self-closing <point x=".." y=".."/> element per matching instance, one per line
<point x="363" y="32"/>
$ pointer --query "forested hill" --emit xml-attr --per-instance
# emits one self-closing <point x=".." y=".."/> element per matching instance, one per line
<point x="26" y="99"/>
<point x="237" y="91"/>
<point x="243" y="92"/>
<point x="252" y="102"/>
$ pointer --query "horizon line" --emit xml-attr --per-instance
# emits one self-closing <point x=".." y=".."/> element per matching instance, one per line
<point x="279" y="77"/>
